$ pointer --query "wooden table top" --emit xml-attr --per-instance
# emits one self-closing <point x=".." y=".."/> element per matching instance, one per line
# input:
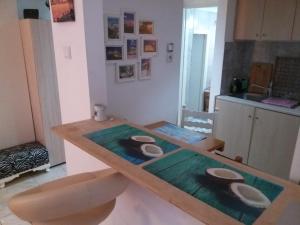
<point x="74" y="134"/>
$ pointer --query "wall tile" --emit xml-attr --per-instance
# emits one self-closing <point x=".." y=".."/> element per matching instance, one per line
<point x="239" y="56"/>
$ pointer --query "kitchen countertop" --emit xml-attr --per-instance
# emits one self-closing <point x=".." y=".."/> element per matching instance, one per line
<point x="76" y="134"/>
<point x="293" y="112"/>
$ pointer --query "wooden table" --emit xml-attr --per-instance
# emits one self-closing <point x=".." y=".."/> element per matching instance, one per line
<point x="74" y="133"/>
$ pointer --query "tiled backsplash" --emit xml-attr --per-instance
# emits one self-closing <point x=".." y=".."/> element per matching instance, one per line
<point x="237" y="62"/>
<point x="239" y="56"/>
<point x="287" y="78"/>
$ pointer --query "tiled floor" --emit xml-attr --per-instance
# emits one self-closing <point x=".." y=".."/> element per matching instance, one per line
<point x="21" y="184"/>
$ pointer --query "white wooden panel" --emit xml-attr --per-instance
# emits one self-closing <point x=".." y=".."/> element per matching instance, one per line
<point x="26" y="35"/>
<point x="273" y="142"/>
<point x="278" y="20"/>
<point x="249" y="19"/>
<point x="16" y="125"/>
<point x="233" y="124"/>
<point x="47" y="79"/>
<point x="46" y="83"/>
<point x="296" y="28"/>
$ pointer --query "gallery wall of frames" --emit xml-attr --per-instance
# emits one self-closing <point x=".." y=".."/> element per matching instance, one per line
<point x="130" y="45"/>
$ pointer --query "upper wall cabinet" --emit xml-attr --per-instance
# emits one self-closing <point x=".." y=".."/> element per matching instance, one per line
<point x="249" y="19"/>
<point x="296" y="31"/>
<point x="278" y="20"/>
<point x="270" y="20"/>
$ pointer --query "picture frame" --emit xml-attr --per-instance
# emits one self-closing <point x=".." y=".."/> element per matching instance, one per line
<point x="126" y="71"/>
<point x="145" y="69"/>
<point x="132" y="48"/>
<point x="129" y="22"/>
<point x="113" y="28"/>
<point x="114" y="53"/>
<point x="62" y="11"/>
<point x="146" y="27"/>
<point x="149" y="46"/>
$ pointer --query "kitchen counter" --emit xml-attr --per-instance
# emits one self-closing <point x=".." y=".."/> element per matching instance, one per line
<point x="293" y="112"/>
<point x="81" y="134"/>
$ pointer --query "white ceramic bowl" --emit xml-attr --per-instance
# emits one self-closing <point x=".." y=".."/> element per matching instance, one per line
<point x="143" y="139"/>
<point x="224" y="175"/>
<point x="151" y="150"/>
<point x="250" y="195"/>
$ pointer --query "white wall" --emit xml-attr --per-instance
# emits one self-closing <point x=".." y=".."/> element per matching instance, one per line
<point x="93" y="11"/>
<point x="44" y="12"/>
<point x="156" y="99"/>
<point x="72" y="74"/>
<point x="219" y="52"/>
<point x="16" y="125"/>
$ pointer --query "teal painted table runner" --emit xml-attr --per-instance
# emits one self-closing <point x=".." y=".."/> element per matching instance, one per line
<point x="111" y="140"/>
<point x="186" y="171"/>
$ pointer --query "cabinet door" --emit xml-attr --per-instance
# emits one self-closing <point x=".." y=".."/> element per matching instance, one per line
<point x="278" y="20"/>
<point x="249" y="19"/>
<point x="296" y="29"/>
<point x="233" y="125"/>
<point x="273" y="142"/>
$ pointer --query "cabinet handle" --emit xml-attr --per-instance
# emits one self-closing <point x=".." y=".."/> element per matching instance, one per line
<point x="257" y="118"/>
<point x="257" y="35"/>
<point x="264" y="35"/>
<point x="250" y="116"/>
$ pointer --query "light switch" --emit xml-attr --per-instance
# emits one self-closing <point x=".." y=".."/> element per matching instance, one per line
<point x="68" y="52"/>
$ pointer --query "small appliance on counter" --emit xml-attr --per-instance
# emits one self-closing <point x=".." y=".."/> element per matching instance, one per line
<point x="99" y="113"/>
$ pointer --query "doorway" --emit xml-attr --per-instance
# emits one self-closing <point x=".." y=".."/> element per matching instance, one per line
<point x="198" y="44"/>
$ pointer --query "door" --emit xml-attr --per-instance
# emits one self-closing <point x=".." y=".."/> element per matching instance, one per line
<point x="273" y="142"/>
<point x="195" y="78"/>
<point x="249" y="19"/>
<point x="278" y="20"/>
<point x="233" y="125"/>
<point x="296" y="29"/>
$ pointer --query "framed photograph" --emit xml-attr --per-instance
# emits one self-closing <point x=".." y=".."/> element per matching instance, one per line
<point x="149" y="47"/>
<point x="145" y="69"/>
<point x="146" y="27"/>
<point x="129" y="22"/>
<point x="63" y="10"/>
<point x="114" y="53"/>
<point x="132" y="48"/>
<point x="126" y="71"/>
<point x="112" y="26"/>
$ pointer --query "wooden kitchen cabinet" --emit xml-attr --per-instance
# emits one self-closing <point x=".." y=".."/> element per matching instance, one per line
<point x="233" y="125"/>
<point x="278" y="20"/>
<point x="265" y="139"/>
<point x="249" y="19"/>
<point x="296" y="30"/>
<point x="273" y="142"/>
<point x="271" y="20"/>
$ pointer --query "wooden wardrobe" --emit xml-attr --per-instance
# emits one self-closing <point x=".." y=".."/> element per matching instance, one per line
<point x="42" y="83"/>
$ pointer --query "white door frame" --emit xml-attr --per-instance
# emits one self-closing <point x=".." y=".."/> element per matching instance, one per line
<point x="224" y="29"/>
